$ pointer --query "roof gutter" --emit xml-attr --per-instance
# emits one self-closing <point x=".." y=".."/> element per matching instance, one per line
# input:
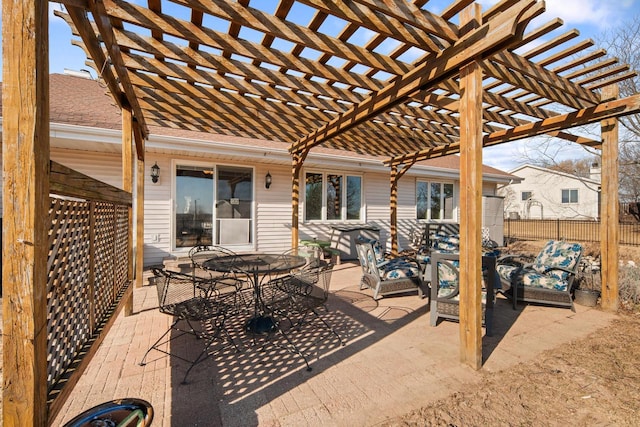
<point x="172" y="144"/>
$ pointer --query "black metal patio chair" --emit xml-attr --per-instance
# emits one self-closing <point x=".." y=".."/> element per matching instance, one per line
<point x="299" y="299"/>
<point x="194" y="314"/>
<point x="223" y="285"/>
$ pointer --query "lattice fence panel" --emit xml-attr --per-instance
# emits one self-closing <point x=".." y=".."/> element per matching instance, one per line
<point x="81" y="298"/>
<point x="121" y="248"/>
<point x="68" y="296"/>
<point x="105" y="232"/>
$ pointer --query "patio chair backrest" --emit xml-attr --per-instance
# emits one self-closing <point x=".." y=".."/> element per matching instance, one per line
<point x="173" y="289"/>
<point x="317" y="279"/>
<point x="445" y="242"/>
<point x="376" y="248"/>
<point x="367" y="257"/>
<point x="200" y="254"/>
<point x="558" y="253"/>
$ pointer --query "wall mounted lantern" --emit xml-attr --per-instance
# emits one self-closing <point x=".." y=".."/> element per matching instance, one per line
<point x="267" y="180"/>
<point x="155" y="172"/>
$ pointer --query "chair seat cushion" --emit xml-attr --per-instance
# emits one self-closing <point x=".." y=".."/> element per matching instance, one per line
<point x="398" y="268"/>
<point x="536" y="280"/>
<point x="531" y="278"/>
<point x="506" y="271"/>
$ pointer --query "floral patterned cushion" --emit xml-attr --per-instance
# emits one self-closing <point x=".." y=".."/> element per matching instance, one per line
<point x="557" y="254"/>
<point x="506" y="271"/>
<point x="423" y="258"/>
<point x="398" y="268"/>
<point x="377" y="249"/>
<point x="448" y="282"/>
<point x="537" y="280"/>
<point x="541" y="273"/>
<point x="444" y="242"/>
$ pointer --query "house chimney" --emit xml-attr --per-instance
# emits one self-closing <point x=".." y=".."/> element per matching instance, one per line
<point x="595" y="171"/>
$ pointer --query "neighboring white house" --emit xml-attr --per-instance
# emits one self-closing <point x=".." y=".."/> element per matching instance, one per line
<point x="549" y="194"/>
<point x="212" y="188"/>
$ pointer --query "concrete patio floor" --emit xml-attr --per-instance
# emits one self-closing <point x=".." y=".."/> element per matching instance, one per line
<point x="393" y="362"/>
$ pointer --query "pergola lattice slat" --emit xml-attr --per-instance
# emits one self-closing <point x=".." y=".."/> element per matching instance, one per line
<point x="235" y="77"/>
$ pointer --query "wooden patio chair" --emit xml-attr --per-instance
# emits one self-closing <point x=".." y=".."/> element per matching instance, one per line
<point x="445" y="288"/>
<point x="546" y="279"/>
<point x="387" y="276"/>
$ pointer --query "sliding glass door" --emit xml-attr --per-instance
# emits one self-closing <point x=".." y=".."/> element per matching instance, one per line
<point x="198" y="189"/>
<point x="234" y="205"/>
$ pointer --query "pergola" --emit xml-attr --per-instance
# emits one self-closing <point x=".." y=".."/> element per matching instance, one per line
<point x="391" y="78"/>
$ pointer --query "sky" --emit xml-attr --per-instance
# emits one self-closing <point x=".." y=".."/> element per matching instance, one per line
<point x="590" y="17"/>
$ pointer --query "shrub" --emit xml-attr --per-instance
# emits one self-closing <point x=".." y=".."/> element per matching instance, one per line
<point x="629" y="287"/>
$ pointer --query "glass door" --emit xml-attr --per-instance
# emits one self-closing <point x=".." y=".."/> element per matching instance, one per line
<point x="234" y="205"/>
<point x="194" y="206"/>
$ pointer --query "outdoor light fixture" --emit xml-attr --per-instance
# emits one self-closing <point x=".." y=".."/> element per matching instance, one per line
<point x="155" y="172"/>
<point x="267" y="180"/>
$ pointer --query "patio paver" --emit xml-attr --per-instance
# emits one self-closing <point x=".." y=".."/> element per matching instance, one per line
<point x="393" y="362"/>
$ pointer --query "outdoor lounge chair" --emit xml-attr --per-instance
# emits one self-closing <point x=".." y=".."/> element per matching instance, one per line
<point x="445" y="288"/>
<point x="547" y="279"/>
<point x="299" y="299"/>
<point x="179" y="296"/>
<point x="445" y="238"/>
<point x="387" y="276"/>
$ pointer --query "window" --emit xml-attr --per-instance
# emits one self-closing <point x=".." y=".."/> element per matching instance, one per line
<point x="526" y="195"/>
<point x="569" y="196"/>
<point x="332" y="197"/>
<point x="434" y="200"/>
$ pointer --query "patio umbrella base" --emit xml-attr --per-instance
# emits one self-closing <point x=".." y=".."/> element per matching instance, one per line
<point x="261" y="325"/>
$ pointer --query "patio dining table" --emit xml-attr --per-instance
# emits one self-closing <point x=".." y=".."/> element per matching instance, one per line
<point x="257" y="267"/>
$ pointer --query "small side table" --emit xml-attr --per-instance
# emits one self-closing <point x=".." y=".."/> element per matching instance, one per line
<point x="321" y="247"/>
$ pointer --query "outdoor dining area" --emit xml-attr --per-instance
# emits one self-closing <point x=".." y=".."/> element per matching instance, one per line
<point x="220" y="338"/>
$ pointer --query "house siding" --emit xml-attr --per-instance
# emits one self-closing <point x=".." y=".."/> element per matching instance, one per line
<point x="273" y="208"/>
<point x="272" y="229"/>
<point x="546" y="187"/>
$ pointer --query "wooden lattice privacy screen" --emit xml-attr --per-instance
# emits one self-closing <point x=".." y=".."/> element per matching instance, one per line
<point x="88" y="269"/>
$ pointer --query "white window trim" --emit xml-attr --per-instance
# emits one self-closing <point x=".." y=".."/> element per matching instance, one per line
<point x="454" y="208"/>
<point x="570" y="190"/>
<point x="174" y="203"/>
<point x="343" y="208"/>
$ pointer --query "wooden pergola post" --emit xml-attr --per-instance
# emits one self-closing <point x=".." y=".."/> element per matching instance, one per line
<point x="297" y="160"/>
<point x="393" y="205"/>
<point x="25" y="198"/>
<point x="139" y="220"/>
<point x="609" y="208"/>
<point x="394" y="177"/>
<point x="471" y="203"/>
<point x="127" y="185"/>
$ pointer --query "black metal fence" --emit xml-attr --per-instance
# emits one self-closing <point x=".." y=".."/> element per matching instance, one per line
<point x="578" y="230"/>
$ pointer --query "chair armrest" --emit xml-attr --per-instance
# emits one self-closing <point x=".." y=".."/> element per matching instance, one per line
<point x="520" y="260"/>
<point x="383" y="263"/>
<point x="548" y="268"/>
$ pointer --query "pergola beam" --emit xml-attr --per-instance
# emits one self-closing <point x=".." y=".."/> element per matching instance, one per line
<point x="496" y="34"/>
<point x="606" y="110"/>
